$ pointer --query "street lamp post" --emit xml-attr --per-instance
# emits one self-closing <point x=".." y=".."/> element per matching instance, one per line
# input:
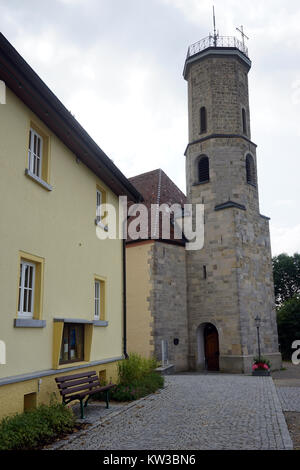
<point x="257" y="323"/>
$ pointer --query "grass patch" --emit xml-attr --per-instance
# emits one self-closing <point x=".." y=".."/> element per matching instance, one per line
<point x="137" y="378"/>
<point x="36" y="428"/>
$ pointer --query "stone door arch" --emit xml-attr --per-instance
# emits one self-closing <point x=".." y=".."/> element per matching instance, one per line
<point x="207" y="347"/>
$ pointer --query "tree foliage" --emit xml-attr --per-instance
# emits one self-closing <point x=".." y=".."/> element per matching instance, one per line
<point x="288" y="321"/>
<point x="286" y="271"/>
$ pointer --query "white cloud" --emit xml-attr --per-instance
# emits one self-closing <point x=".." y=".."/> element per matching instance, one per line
<point x="285" y="239"/>
<point x="118" y="67"/>
<point x="296" y="91"/>
<point x="287" y="203"/>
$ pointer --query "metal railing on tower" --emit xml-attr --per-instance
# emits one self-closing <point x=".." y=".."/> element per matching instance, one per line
<point x="216" y="41"/>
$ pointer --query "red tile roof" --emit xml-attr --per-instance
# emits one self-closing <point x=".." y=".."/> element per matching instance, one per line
<point x="157" y="188"/>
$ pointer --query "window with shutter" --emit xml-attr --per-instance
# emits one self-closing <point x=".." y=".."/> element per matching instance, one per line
<point x="244" y="121"/>
<point x="203" y="120"/>
<point x="250" y="170"/>
<point x="203" y="169"/>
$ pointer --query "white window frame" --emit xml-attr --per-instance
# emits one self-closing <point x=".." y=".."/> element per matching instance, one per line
<point x="28" y="313"/>
<point x="97" y="299"/>
<point x="98" y="205"/>
<point x="35" y="158"/>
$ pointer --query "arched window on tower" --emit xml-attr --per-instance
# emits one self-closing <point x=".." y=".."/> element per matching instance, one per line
<point x="250" y="170"/>
<point x="203" y="169"/>
<point x="244" y="119"/>
<point x="203" y="120"/>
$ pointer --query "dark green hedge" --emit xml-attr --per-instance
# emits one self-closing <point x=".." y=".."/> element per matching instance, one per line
<point x="35" y="428"/>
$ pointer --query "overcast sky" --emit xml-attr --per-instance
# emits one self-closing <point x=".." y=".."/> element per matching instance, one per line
<point x="117" y="66"/>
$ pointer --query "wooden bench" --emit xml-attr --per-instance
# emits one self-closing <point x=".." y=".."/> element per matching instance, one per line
<point x="80" y="386"/>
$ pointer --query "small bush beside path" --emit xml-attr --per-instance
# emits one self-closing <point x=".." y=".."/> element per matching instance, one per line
<point x="137" y="378"/>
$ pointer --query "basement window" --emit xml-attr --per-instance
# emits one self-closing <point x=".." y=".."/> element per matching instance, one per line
<point x="72" y="347"/>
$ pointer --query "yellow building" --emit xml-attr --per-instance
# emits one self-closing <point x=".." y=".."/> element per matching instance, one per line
<point x="62" y="288"/>
<point x="157" y="321"/>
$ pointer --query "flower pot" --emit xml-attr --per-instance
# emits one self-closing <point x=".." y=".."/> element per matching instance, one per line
<point x="261" y="372"/>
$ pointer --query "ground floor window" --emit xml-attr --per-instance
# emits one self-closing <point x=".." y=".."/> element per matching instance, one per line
<point x="26" y="289"/>
<point x="99" y="299"/>
<point x="30" y="286"/>
<point x="72" y="346"/>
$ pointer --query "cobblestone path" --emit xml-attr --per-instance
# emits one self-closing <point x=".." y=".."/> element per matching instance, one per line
<point x="289" y="398"/>
<point x="195" y="411"/>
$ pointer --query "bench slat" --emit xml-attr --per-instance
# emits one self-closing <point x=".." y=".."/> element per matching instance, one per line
<point x="75" y="376"/>
<point x="80" y="388"/>
<point x="68" y="394"/>
<point x="72" y="383"/>
<point x="101" y="389"/>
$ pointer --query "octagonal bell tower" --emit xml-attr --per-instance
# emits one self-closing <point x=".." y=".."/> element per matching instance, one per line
<point x="230" y="279"/>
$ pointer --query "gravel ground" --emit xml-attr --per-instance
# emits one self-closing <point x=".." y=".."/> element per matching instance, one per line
<point x="196" y="411"/>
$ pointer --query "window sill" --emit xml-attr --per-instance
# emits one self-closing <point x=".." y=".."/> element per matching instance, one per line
<point x="201" y="182"/>
<point x="100" y="323"/>
<point x="101" y="225"/>
<point x="71" y="364"/>
<point x="73" y="320"/>
<point x="38" y="180"/>
<point x="29" y="323"/>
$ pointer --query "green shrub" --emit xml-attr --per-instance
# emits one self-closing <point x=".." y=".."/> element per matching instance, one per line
<point x="135" y="368"/>
<point x="35" y="428"/>
<point x="288" y="321"/>
<point x="137" y="378"/>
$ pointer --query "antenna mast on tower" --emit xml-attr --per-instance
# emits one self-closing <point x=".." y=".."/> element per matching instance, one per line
<point x="241" y="30"/>
<point x="216" y="34"/>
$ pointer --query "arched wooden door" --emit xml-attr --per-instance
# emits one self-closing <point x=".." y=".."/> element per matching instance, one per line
<point x="211" y="347"/>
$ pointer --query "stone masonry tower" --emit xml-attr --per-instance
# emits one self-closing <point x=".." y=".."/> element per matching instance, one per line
<point x="230" y="279"/>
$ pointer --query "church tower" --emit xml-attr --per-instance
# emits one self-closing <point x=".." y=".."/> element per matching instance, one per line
<point x="230" y="281"/>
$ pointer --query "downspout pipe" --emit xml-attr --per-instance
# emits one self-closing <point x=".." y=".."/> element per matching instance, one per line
<point x="124" y="302"/>
<point x="126" y="356"/>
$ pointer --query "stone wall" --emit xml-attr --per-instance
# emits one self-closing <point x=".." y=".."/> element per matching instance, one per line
<point x="168" y="302"/>
<point x="221" y="85"/>
<point x="236" y="252"/>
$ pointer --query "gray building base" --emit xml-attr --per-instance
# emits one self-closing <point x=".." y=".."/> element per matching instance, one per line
<point x="238" y="364"/>
<point x="166" y="370"/>
<point x="243" y="364"/>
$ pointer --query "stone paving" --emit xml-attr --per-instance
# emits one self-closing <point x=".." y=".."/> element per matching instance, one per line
<point x="287" y="382"/>
<point x="196" y="411"/>
<point x="289" y="398"/>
